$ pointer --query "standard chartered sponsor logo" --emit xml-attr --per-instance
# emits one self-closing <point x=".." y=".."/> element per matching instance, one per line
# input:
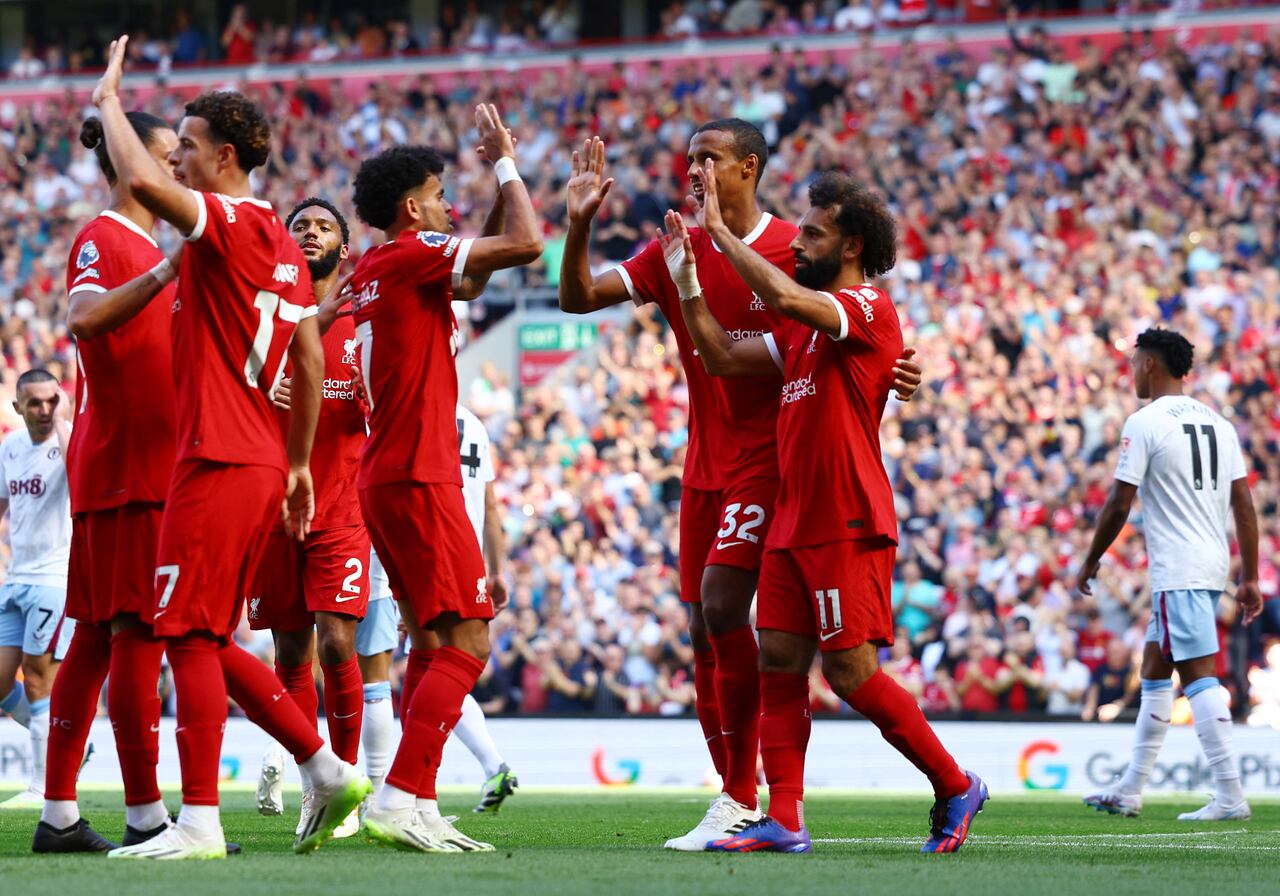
<point x="740" y="335"/>
<point x="339" y="389"/>
<point x="798" y="389"/>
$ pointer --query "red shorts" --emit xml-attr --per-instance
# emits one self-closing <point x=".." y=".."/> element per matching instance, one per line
<point x="328" y="573"/>
<point x="837" y="593"/>
<point x="723" y="528"/>
<point x="428" y="549"/>
<point x="216" y="523"/>
<point x="113" y="562"/>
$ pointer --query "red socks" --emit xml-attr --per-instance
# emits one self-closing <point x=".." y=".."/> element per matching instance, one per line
<point x="708" y="709"/>
<point x="266" y="703"/>
<point x="896" y="713"/>
<point x="202" y="714"/>
<point x="343" y="707"/>
<point x="416" y="667"/>
<point x="784" y="737"/>
<point x="72" y="706"/>
<point x="737" y="678"/>
<point x="437" y="705"/>
<point x="134" y="702"/>
<point x="300" y="682"/>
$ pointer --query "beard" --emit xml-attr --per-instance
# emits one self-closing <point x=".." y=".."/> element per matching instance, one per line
<point x="818" y="273"/>
<point x="324" y="265"/>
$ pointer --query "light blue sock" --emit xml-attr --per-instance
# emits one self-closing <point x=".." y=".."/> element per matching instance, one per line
<point x="1199" y="685"/>
<point x="16" y="705"/>
<point x="378" y="690"/>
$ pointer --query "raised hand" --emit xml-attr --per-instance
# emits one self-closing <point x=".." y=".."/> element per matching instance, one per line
<point x="708" y="214"/>
<point x="336" y="304"/>
<point x="587" y="186"/>
<point x="495" y="140"/>
<point x="109" y="84"/>
<point x="677" y="248"/>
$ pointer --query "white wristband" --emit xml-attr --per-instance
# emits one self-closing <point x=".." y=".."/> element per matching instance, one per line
<point x="505" y="168"/>
<point x="684" y="273"/>
<point x="164" y="272"/>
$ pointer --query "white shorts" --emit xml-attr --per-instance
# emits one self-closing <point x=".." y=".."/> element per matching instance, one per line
<point x="1184" y="623"/>
<point x="31" y="617"/>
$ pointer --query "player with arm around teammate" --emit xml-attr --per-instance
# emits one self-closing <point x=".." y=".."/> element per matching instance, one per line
<point x="1184" y="460"/>
<point x="119" y="462"/>
<point x="244" y="305"/>
<point x="826" y="578"/>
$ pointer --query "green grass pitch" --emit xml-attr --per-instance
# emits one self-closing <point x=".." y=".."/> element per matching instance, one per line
<point x="609" y="842"/>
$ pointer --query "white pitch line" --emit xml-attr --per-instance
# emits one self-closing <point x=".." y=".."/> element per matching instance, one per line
<point x="1081" y="841"/>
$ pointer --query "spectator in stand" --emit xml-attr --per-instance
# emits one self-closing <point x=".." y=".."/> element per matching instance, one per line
<point x="28" y="64"/>
<point x="1093" y="640"/>
<point x="1115" y="684"/>
<point x="980" y="679"/>
<point x="187" y="41"/>
<point x="1024" y="671"/>
<point x="239" y="37"/>
<point x="855" y="15"/>
<point x="914" y="600"/>
<point x="1067" y="683"/>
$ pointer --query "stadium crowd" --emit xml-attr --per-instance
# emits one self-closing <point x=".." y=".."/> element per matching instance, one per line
<point x="1052" y="204"/>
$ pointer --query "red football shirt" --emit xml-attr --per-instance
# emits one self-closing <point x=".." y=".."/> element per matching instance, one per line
<point x="834" y="485"/>
<point x="242" y="288"/>
<point x="340" y="433"/>
<point x="408" y="338"/>
<point x="122" y="443"/>
<point x="733" y="425"/>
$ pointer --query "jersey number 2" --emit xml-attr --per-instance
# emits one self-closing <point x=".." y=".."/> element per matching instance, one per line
<point x="1197" y="469"/>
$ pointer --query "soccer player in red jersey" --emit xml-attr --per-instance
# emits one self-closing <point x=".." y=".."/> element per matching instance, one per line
<point x="410" y="480"/>
<point x="311" y="594"/>
<point x="826" y="576"/>
<point x="730" y="479"/>
<point x="243" y="306"/>
<point x="119" y="461"/>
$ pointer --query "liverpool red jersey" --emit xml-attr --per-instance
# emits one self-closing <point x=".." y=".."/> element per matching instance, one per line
<point x="733" y="421"/>
<point x="834" y="485"/>
<point x="408" y="338"/>
<point x="122" y="443"/>
<point x="340" y="432"/>
<point x="242" y="288"/>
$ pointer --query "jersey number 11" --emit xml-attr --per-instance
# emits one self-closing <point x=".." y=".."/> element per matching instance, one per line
<point x="1197" y="469"/>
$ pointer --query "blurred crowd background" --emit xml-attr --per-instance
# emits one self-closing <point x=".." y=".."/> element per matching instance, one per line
<point x="1054" y="201"/>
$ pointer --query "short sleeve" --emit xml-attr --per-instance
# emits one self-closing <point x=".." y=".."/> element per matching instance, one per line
<point x="86" y="267"/>
<point x="773" y="342"/>
<point x="435" y="259"/>
<point x="210" y="218"/>
<point x="1135" y="452"/>
<point x="867" y="317"/>
<point x="645" y="274"/>
<point x="1239" y="467"/>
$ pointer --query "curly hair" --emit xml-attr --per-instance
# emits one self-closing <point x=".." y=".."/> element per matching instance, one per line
<point x="145" y="125"/>
<point x="233" y="118"/>
<point x="319" y="202"/>
<point x="383" y="180"/>
<point x="747" y="139"/>
<point x="859" y="212"/>
<point x="1173" y="350"/>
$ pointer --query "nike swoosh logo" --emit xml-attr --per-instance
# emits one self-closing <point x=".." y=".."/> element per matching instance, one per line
<point x="347" y="716"/>
<point x="723" y="545"/>
<point x="829" y="635"/>
<point x="155" y="729"/>
<point x="1158" y="719"/>
<point x="343" y="600"/>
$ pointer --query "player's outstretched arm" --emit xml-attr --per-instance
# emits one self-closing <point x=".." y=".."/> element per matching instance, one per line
<point x="1246" y="518"/>
<point x="137" y="170"/>
<point x="779" y="291"/>
<point x="1111" y="520"/>
<point x="580" y="293"/>
<point x="306" y="354"/>
<point x="721" y="355"/>
<point x="494" y="223"/>
<point x="519" y="242"/>
<point x="94" y="313"/>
